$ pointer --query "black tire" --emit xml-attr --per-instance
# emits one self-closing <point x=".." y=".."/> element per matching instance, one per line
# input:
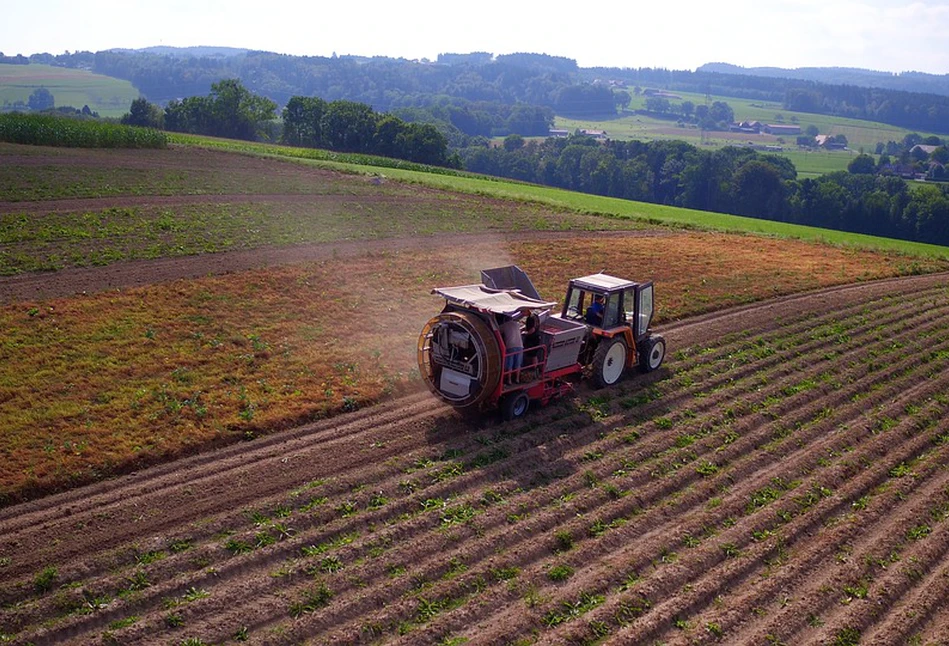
<point x="652" y="353"/>
<point x="609" y="361"/>
<point x="514" y="405"/>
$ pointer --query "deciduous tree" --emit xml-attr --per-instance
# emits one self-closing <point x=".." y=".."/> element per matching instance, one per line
<point x="41" y="99"/>
<point x="862" y="165"/>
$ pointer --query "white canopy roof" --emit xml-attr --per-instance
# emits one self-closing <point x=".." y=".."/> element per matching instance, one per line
<point x="604" y="282"/>
<point x="496" y="301"/>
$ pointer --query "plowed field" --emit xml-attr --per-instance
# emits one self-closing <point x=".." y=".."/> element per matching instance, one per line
<point x="782" y="479"/>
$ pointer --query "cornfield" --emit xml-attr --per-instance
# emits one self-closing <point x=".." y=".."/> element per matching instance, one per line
<point x="48" y="130"/>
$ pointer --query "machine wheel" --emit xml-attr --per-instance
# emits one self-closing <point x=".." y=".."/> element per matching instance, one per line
<point x="609" y="361"/>
<point x="653" y="352"/>
<point x="514" y="405"/>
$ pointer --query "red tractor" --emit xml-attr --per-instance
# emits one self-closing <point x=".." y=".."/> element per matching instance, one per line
<point x="601" y="331"/>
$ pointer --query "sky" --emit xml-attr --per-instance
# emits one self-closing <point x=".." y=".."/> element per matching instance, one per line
<point x="886" y="35"/>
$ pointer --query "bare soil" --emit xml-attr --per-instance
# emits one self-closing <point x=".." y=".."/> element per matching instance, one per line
<point x="780" y="480"/>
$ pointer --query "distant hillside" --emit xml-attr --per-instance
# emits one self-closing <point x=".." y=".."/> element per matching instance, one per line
<point x="103" y="94"/>
<point x="904" y="81"/>
<point x="461" y="89"/>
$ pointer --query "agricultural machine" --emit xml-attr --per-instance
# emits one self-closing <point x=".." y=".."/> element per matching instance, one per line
<point x="601" y="331"/>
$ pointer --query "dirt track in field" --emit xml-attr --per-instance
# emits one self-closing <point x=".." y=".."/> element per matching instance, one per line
<point x="125" y="275"/>
<point x="781" y="480"/>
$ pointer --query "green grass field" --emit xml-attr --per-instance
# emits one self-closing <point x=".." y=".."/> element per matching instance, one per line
<point x="584" y="203"/>
<point x="861" y="135"/>
<point x="108" y="96"/>
<point x="643" y="128"/>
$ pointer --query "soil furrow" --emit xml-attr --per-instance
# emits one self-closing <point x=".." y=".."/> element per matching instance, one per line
<point x="797" y="547"/>
<point x="683" y="512"/>
<point x="859" y="489"/>
<point x="617" y="481"/>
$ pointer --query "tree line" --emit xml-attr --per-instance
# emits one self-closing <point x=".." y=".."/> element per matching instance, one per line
<point x="557" y="83"/>
<point x="232" y="111"/>
<point x="738" y="181"/>
<point x="903" y="81"/>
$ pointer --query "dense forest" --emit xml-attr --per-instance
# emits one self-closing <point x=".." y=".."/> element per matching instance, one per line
<point x="539" y="80"/>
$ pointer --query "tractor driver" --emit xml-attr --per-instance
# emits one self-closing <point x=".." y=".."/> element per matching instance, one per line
<point x="594" y="315"/>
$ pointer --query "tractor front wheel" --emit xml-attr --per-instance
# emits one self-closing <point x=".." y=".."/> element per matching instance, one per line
<point x="609" y="361"/>
<point x="653" y="352"/>
<point x="514" y="405"/>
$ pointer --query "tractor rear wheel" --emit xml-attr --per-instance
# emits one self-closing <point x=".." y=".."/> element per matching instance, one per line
<point x="652" y="354"/>
<point x="609" y="361"/>
<point x="514" y="405"/>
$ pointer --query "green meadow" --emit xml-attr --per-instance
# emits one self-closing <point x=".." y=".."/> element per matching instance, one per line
<point x="862" y="136"/>
<point x="108" y="96"/>
<point x="581" y="202"/>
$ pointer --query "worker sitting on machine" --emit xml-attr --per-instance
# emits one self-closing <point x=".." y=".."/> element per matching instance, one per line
<point x="532" y="349"/>
<point x="594" y="315"/>
<point x="513" y="347"/>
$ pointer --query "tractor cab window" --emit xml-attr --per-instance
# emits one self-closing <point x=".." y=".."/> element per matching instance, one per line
<point x="596" y="310"/>
<point x="629" y="304"/>
<point x="601" y="310"/>
<point x="577" y="300"/>
<point x="613" y="314"/>
<point x="645" y="308"/>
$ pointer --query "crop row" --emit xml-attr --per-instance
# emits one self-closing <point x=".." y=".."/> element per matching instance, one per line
<point x="777" y="486"/>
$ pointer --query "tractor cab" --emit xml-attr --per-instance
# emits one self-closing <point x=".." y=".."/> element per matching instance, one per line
<point x="617" y="313"/>
<point x="607" y="303"/>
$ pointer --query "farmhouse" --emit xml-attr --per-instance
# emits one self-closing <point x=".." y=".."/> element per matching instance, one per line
<point x="906" y="171"/>
<point x="782" y="129"/>
<point x="826" y="141"/>
<point x="610" y="83"/>
<point x="596" y="134"/>
<point x="924" y="148"/>
<point x="555" y="132"/>
<point x="746" y="127"/>
<point x="660" y="93"/>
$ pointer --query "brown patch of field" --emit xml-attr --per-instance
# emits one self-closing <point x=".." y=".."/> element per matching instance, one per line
<point x="196" y="362"/>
